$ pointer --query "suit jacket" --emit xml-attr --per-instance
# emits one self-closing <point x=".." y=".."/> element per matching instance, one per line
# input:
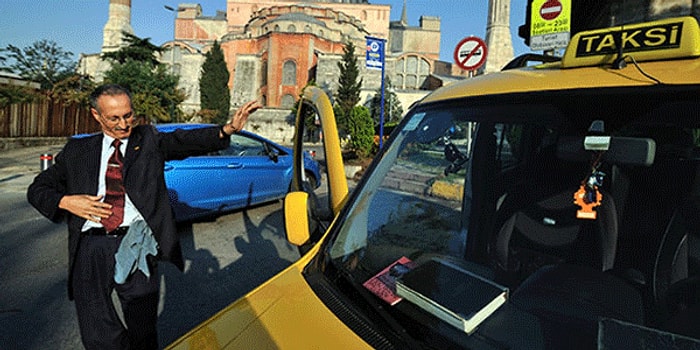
<point x="76" y="169"/>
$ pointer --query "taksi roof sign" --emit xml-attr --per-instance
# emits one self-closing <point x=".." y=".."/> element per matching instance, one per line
<point x="470" y="53"/>
<point x="669" y="38"/>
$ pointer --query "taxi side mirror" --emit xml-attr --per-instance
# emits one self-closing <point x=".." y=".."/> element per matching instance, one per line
<point x="296" y="217"/>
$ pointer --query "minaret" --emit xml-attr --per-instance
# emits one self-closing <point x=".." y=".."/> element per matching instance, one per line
<point x="404" y="18"/>
<point x="498" y="39"/>
<point x="119" y="21"/>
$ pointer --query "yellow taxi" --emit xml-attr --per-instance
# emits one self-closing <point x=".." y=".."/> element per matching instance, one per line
<point x="571" y="188"/>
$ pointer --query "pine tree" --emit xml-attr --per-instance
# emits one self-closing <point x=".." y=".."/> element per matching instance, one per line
<point x="136" y="49"/>
<point x="349" y="85"/>
<point x="213" y="85"/>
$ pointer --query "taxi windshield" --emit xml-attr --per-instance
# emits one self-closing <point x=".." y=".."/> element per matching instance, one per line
<point x="488" y="184"/>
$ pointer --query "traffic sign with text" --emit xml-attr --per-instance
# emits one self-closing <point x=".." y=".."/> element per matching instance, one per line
<point x="550" y="24"/>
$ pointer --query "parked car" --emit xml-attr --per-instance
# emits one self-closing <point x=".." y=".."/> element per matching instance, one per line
<point x="252" y="170"/>
<point x="573" y="185"/>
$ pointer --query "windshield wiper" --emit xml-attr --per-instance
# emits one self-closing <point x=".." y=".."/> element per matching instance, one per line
<point x="376" y="305"/>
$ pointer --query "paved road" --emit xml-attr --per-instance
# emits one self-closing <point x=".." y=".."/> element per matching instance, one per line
<point x="225" y="258"/>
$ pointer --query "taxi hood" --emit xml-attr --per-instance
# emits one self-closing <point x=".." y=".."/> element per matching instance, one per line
<point x="282" y="313"/>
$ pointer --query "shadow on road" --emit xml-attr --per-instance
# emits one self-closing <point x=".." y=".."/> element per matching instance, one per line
<point x="206" y="287"/>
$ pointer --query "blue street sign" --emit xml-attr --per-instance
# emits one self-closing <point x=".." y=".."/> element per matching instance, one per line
<point x="375" y="60"/>
<point x="375" y="53"/>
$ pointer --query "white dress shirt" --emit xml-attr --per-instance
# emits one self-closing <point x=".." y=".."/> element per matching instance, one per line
<point x="131" y="214"/>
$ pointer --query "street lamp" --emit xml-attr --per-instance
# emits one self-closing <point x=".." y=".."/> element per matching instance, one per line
<point x="174" y="11"/>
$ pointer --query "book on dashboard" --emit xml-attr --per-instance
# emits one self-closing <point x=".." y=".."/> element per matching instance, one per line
<point x="458" y="297"/>
<point x="383" y="284"/>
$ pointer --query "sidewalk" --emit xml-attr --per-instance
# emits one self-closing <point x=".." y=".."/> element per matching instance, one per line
<point x="18" y="166"/>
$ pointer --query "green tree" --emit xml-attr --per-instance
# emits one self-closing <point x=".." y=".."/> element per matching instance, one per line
<point x="153" y="87"/>
<point x="361" y="131"/>
<point x="75" y="89"/>
<point x="136" y="49"/>
<point x="43" y="62"/>
<point x="3" y="61"/>
<point x="213" y="84"/>
<point x="392" y="106"/>
<point x="11" y="94"/>
<point x="349" y="85"/>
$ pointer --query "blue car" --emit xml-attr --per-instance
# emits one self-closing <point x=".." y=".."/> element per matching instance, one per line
<point x="252" y="170"/>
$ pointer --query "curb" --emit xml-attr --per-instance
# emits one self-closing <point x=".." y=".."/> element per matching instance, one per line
<point x="447" y="190"/>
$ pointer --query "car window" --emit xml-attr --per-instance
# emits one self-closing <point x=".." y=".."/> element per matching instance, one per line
<point x="416" y="199"/>
<point x="241" y="145"/>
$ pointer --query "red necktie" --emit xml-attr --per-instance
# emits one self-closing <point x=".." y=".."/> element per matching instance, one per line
<point x="115" y="189"/>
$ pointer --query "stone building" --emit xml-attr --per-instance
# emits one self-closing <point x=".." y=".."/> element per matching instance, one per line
<point x="274" y="48"/>
<point x="118" y="21"/>
<point x="498" y="39"/>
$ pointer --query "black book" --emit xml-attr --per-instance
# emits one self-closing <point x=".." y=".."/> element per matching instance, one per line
<point x="459" y="297"/>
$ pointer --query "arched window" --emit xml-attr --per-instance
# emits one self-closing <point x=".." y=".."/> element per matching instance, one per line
<point x="307" y="29"/>
<point x="287" y="101"/>
<point x="277" y="28"/>
<point x="289" y="73"/>
<point x="173" y="56"/>
<point x="291" y="28"/>
<point x="410" y="72"/>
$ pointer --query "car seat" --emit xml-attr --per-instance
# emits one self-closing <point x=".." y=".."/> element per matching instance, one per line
<point x="545" y="230"/>
<point x="537" y="224"/>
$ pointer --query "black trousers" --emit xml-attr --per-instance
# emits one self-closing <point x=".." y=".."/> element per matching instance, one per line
<point x="93" y="283"/>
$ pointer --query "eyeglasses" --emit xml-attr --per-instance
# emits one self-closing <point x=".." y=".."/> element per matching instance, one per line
<point x="115" y="119"/>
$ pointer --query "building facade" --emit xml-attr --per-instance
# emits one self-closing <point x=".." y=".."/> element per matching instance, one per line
<point x="274" y="48"/>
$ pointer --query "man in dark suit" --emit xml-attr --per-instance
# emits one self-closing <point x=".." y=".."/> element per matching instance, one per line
<point x="102" y="187"/>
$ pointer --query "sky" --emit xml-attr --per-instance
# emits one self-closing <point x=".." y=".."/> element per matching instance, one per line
<point x="76" y="25"/>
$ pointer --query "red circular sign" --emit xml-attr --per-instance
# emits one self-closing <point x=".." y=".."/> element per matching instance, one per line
<point x="470" y="53"/>
<point x="550" y="9"/>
